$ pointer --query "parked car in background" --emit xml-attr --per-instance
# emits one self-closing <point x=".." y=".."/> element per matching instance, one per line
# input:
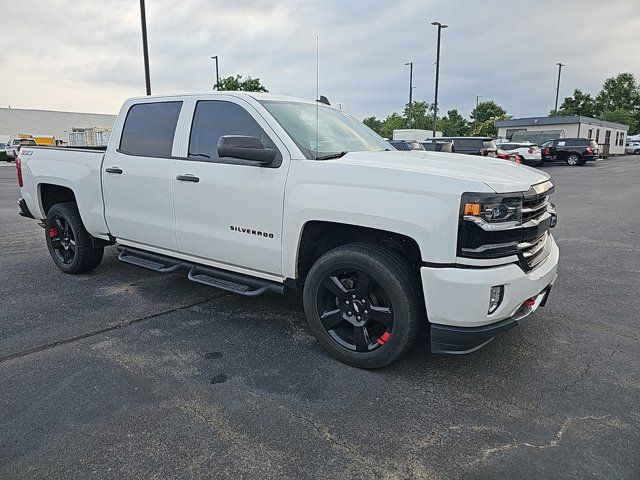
<point x="13" y="147"/>
<point x="573" y="151"/>
<point x="406" y="145"/>
<point x="437" y="145"/>
<point x="632" y="148"/>
<point x="504" y="155"/>
<point x="483" y="146"/>
<point x="528" y="153"/>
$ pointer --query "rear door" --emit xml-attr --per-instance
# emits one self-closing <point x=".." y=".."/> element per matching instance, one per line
<point x="137" y="175"/>
<point x="229" y="211"/>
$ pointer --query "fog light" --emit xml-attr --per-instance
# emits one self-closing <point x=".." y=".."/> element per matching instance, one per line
<point x="495" y="297"/>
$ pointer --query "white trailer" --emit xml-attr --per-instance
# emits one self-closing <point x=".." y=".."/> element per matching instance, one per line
<point x="414" y="134"/>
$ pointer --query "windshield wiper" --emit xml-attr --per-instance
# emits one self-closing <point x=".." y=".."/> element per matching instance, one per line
<point x="332" y="155"/>
<point x="199" y="155"/>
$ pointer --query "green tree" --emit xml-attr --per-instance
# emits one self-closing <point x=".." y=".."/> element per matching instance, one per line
<point x="237" y="83"/>
<point x="577" y="104"/>
<point x="624" y="116"/>
<point x="487" y="110"/>
<point x="391" y="123"/>
<point x="373" y="123"/>
<point x="453" y="124"/>
<point x="619" y="92"/>
<point x="484" y="116"/>
<point x="421" y="115"/>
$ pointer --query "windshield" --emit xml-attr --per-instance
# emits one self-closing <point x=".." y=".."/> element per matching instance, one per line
<point x="337" y="131"/>
<point x="25" y="141"/>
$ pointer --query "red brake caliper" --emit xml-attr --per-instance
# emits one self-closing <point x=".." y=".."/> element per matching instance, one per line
<point x="53" y="232"/>
<point x="383" y="339"/>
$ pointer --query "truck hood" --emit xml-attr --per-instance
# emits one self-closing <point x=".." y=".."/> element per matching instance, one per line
<point x="500" y="175"/>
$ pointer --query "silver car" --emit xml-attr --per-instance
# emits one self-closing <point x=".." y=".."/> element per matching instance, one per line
<point x="632" y="148"/>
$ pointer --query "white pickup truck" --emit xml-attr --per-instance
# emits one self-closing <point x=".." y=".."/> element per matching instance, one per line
<point x="252" y="193"/>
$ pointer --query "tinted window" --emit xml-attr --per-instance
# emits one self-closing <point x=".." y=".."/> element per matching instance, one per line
<point x="578" y="142"/>
<point x="149" y="129"/>
<point x="400" y="145"/>
<point x="469" y="144"/>
<point x="214" y="119"/>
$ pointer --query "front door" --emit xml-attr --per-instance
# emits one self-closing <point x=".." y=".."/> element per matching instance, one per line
<point x="230" y="211"/>
<point x="137" y="177"/>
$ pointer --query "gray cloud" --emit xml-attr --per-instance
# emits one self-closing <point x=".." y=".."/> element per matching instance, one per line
<point x="87" y="56"/>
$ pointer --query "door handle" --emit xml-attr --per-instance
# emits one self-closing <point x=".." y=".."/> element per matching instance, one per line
<point x="113" y="170"/>
<point x="189" y="177"/>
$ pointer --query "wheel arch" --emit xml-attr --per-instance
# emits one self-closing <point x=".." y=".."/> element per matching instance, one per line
<point x="319" y="236"/>
<point x="50" y="194"/>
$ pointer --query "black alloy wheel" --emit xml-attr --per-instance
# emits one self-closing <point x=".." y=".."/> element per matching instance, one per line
<point x="354" y="310"/>
<point x="363" y="302"/>
<point x="70" y="245"/>
<point x="63" y="240"/>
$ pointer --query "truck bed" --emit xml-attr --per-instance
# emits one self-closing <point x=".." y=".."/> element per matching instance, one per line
<point x="78" y="169"/>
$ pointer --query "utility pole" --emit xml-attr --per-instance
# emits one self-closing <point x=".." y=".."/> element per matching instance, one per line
<point x="410" y="93"/>
<point x="145" y="47"/>
<point x="215" y="57"/>
<point x="435" y="98"/>
<point x="478" y="100"/>
<point x="560" y="65"/>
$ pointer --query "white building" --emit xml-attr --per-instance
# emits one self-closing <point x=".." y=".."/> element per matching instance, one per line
<point x="609" y="136"/>
<point x="49" y="122"/>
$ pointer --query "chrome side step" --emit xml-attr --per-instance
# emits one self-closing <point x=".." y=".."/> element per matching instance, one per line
<point x="237" y="283"/>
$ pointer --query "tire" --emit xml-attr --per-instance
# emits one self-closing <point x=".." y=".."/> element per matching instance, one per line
<point x="636" y="152"/>
<point x="574" y="160"/>
<point x="68" y="241"/>
<point x="538" y="164"/>
<point x="388" y="300"/>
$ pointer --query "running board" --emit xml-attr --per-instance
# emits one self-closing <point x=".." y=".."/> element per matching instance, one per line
<point x="238" y="283"/>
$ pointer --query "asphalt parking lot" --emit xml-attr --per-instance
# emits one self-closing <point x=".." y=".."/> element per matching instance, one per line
<point x="124" y="373"/>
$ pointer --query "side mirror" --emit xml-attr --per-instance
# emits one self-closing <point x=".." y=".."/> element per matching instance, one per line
<point x="245" y="148"/>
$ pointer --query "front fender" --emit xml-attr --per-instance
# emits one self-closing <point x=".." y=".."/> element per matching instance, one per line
<point x="428" y="216"/>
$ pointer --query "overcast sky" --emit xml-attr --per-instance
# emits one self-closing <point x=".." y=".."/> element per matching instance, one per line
<point x="87" y="56"/>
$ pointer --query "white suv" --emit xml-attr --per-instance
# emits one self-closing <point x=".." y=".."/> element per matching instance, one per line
<point x="529" y="153"/>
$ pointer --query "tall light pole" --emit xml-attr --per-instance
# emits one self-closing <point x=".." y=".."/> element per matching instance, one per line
<point x="145" y="47"/>
<point x="410" y="93"/>
<point x="215" y="57"/>
<point x="560" y="65"/>
<point x="435" y="98"/>
<point x="478" y="100"/>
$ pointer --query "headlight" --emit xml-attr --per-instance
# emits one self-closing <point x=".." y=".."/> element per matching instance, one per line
<point x="492" y="212"/>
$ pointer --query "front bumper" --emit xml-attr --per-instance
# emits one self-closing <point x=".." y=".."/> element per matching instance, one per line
<point x="460" y="340"/>
<point x="459" y="297"/>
